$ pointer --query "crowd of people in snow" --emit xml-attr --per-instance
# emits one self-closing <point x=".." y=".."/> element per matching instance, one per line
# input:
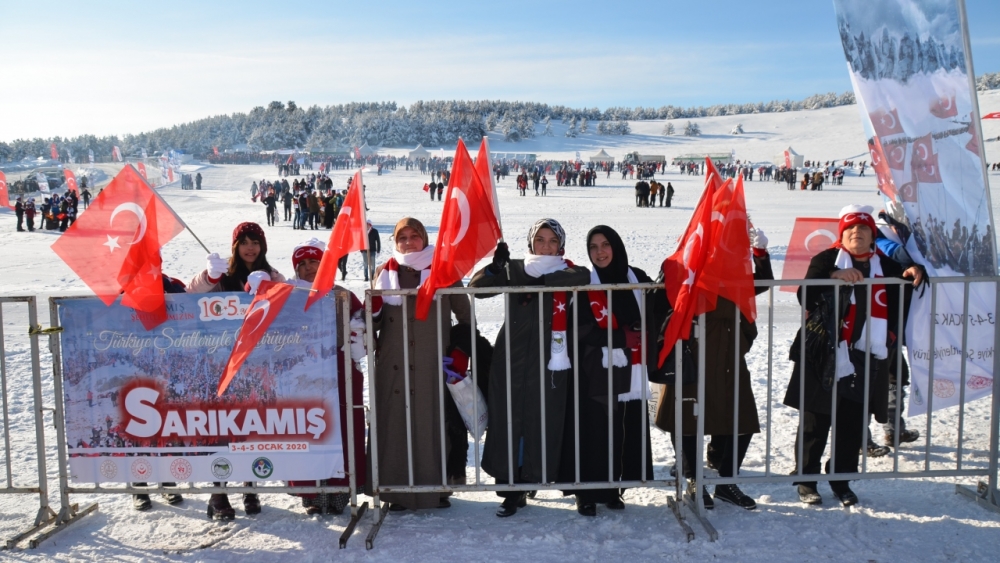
<point x="55" y="212"/>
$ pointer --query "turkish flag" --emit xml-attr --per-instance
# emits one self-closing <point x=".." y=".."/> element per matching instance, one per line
<point x="290" y="157"/>
<point x="923" y="148"/>
<point x="908" y="193"/>
<point x="927" y="171"/>
<point x="141" y="276"/>
<point x="485" y="170"/>
<point x="98" y="246"/>
<point x="468" y="233"/>
<point x="682" y="269"/>
<point x="881" y="166"/>
<point x="788" y="160"/>
<point x="810" y="235"/>
<point x="896" y="157"/>
<point x="142" y="170"/>
<point x="944" y="107"/>
<point x="215" y="150"/>
<point x="728" y="271"/>
<point x="266" y="305"/>
<point x="4" y="195"/>
<point x="885" y="122"/>
<point x="55" y="153"/>
<point x="70" y="180"/>
<point x="350" y="234"/>
<point x="116" y="153"/>
<point x="170" y="175"/>
<point x="994" y="115"/>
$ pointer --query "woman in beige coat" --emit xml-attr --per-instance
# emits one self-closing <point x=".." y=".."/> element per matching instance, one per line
<point x="408" y="267"/>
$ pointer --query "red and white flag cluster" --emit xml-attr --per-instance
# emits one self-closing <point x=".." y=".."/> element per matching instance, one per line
<point x="350" y="234"/>
<point x="115" y="246"/>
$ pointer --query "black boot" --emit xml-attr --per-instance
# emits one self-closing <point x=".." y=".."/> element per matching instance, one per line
<point x="809" y="495"/>
<point x="510" y="505"/>
<point x="251" y="504"/>
<point x="219" y="508"/>
<point x="141" y="502"/>
<point x="586" y="508"/>
<point x="733" y="495"/>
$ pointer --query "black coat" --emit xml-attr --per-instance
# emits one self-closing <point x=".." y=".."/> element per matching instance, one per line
<point x="818" y="399"/>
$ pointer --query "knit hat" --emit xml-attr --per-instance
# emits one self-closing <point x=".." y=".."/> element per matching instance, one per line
<point x="310" y="250"/>
<point x="852" y="215"/>
<point x="253" y="231"/>
<point x="552" y="225"/>
<point x="413" y="224"/>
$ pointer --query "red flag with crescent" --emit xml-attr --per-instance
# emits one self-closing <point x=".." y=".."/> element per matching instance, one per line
<point x="54" y="151"/>
<point x="682" y="269"/>
<point x="266" y="305"/>
<point x="99" y="245"/>
<point x="880" y="164"/>
<point x="994" y="115"/>
<point x="4" y="194"/>
<point x="810" y="236"/>
<point x="944" y="107"/>
<point x="885" y="122"/>
<point x="70" y="180"/>
<point x="142" y="170"/>
<point x="728" y="271"/>
<point x="350" y="234"/>
<point x="469" y="230"/>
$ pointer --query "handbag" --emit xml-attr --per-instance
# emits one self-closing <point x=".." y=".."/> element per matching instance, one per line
<point x="470" y="402"/>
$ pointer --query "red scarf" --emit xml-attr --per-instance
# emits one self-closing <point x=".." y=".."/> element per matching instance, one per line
<point x="558" y="353"/>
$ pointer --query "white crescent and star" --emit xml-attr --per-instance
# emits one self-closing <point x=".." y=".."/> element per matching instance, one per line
<point x="923" y="151"/>
<point x="876" y="159"/>
<point x="688" y="247"/>
<point x="947" y="103"/>
<point x="139" y="213"/>
<point x="263" y="305"/>
<point x="463" y="212"/>
<point x="891" y="118"/>
<point x="876" y="297"/>
<point x="898" y="154"/>
<point x="603" y="311"/>
<point x="819" y="233"/>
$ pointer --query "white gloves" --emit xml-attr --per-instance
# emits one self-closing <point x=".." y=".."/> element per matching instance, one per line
<point x="254" y="279"/>
<point x="216" y="266"/>
<point x="759" y="240"/>
<point x="358" y="339"/>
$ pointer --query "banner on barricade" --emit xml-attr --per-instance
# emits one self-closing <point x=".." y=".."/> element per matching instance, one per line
<point x="141" y="406"/>
<point x="911" y="73"/>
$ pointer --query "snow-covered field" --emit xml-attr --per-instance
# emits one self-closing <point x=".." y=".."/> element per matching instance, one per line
<point x="919" y="520"/>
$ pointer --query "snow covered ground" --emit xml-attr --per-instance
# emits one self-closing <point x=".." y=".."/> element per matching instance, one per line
<point x="897" y="519"/>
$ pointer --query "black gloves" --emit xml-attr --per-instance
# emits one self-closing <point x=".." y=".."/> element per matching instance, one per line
<point x="500" y="258"/>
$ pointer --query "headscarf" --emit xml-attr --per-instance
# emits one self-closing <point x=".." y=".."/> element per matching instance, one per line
<point x="414" y="224"/>
<point x="551" y="224"/>
<point x="623" y="302"/>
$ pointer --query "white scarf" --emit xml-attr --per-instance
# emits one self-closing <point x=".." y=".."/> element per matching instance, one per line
<point x="537" y="266"/>
<point x="389" y="277"/>
<point x="639" y="386"/>
<point x="878" y="325"/>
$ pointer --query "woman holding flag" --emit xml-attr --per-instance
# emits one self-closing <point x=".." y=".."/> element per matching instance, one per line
<point x="242" y="272"/>
<point x="542" y="266"/>
<point x="862" y="333"/>
<point x="306" y="259"/>
<point x="629" y="383"/>
<point x="418" y="370"/>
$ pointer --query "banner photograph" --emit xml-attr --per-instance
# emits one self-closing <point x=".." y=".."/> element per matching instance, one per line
<point x="911" y="73"/>
<point x="143" y="405"/>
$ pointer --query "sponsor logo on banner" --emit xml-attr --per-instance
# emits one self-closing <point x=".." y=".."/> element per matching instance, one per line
<point x="222" y="468"/>
<point x="262" y="467"/>
<point x="181" y="469"/>
<point x="109" y="469"/>
<point x="142" y="470"/>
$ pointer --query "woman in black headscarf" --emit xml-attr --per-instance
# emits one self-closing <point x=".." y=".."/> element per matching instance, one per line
<point x="629" y="385"/>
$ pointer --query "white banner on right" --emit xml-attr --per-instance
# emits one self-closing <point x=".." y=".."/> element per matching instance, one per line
<point x="912" y="73"/>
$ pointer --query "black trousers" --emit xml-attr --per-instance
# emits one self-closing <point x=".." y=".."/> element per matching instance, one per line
<point x="816" y="429"/>
<point x="719" y="451"/>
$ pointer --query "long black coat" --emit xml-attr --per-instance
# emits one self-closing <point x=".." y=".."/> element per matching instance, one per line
<point x="526" y="378"/>
<point x="720" y="352"/>
<point x="817" y="399"/>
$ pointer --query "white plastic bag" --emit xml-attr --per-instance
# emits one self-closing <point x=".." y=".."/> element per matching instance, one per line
<point x="466" y="395"/>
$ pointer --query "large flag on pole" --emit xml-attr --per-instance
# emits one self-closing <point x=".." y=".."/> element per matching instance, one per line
<point x="54" y="151"/>
<point x="468" y="233"/>
<point x="683" y="269"/>
<point x="266" y="305"/>
<point x="350" y="234"/>
<point x="113" y="244"/>
<point x="914" y="84"/>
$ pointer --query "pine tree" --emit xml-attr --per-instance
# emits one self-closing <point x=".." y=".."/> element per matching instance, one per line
<point x="571" y="132"/>
<point x="668" y="128"/>
<point x="692" y="129"/>
<point x="548" y="126"/>
<point x="583" y="125"/>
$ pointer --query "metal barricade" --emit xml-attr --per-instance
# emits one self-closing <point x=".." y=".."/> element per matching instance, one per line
<point x="776" y="468"/>
<point x="24" y="473"/>
<point x="71" y="512"/>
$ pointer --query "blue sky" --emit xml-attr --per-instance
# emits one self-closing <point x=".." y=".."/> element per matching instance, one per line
<point x="125" y="67"/>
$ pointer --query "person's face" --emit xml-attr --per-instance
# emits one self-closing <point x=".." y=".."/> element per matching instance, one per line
<point x="600" y="249"/>
<point x="408" y="240"/>
<point x="545" y="243"/>
<point x="307" y="269"/>
<point x="248" y="250"/>
<point x="857" y="239"/>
